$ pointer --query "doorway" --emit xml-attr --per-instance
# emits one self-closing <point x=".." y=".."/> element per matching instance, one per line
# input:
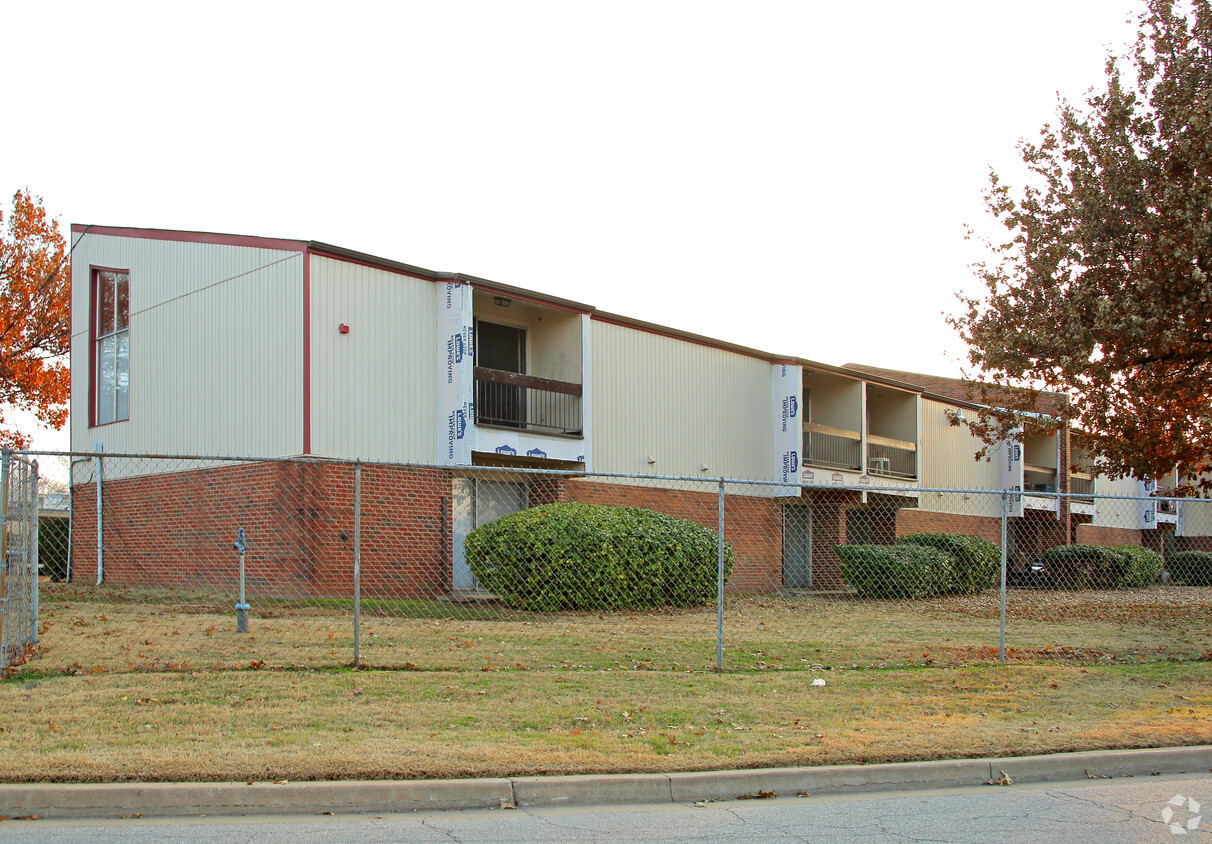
<point x="478" y="502"/>
<point x="797" y="545"/>
<point x="501" y="348"/>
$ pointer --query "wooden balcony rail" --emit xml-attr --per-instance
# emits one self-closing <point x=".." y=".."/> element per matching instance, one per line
<point x="527" y="402"/>
<point x="835" y="448"/>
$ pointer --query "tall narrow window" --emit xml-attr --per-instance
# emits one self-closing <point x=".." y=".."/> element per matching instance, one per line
<point x="112" y="352"/>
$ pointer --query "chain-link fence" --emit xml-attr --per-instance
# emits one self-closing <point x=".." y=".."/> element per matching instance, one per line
<point x="18" y="561"/>
<point x="200" y="563"/>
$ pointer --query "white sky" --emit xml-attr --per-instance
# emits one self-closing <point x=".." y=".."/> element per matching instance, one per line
<point x="790" y="176"/>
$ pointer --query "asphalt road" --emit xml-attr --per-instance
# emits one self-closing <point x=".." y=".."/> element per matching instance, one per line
<point x="1121" y="810"/>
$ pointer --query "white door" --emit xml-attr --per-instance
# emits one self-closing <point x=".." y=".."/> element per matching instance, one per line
<point x="487" y="502"/>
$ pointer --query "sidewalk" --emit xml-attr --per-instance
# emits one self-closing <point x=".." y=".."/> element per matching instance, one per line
<point x="116" y="800"/>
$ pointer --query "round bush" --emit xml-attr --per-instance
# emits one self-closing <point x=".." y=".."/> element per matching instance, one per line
<point x="975" y="562"/>
<point x="1082" y="566"/>
<point x="1193" y="568"/>
<point x="896" y="571"/>
<point x="1139" y="568"/>
<point x="585" y="556"/>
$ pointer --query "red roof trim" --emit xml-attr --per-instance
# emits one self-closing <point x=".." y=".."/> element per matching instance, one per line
<point x="193" y="237"/>
<point x="333" y="256"/>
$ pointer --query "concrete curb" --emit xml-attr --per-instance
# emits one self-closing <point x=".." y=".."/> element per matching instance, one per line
<point x="115" y="800"/>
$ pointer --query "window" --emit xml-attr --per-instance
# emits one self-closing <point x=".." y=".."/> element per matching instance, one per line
<point x="111" y="345"/>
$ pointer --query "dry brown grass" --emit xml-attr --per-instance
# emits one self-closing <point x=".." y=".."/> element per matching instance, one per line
<point x="101" y="631"/>
<point x="296" y="725"/>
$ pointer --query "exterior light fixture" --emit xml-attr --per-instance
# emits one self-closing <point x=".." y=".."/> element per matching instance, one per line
<point x="502" y="301"/>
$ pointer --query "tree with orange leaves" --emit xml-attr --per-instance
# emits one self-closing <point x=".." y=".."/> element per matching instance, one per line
<point x="35" y="317"/>
<point x="1101" y="285"/>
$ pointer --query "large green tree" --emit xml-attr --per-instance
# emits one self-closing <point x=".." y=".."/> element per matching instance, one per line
<point x="1101" y="287"/>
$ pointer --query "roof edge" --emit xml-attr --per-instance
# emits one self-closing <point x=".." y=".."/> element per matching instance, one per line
<point x="185" y="236"/>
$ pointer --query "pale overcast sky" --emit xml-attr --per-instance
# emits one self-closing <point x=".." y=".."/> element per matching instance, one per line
<point x="790" y="176"/>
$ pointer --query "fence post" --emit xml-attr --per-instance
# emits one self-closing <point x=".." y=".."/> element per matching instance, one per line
<point x="100" y="549"/>
<point x="719" y="589"/>
<point x="357" y="566"/>
<point x="33" y="555"/>
<point x="4" y="470"/>
<point x="5" y="465"/>
<point x="1001" y="654"/>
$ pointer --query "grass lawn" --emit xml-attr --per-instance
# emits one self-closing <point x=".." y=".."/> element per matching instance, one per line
<point x="108" y="629"/>
<point x="338" y="723"/>
<point x="133" y="684"/>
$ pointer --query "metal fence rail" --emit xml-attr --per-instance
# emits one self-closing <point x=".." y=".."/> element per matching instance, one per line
<point x="173" y="563"/>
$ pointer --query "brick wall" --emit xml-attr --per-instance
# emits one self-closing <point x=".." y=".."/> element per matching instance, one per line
<point x="912" y="520"/>
<point x="176" y="529"/>
<point x="1103" y="536"/>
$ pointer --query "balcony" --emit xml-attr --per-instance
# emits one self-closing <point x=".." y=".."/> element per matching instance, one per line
<point x="1166" y="508"/>
<point x="527" y="402"/>
<point x="890" y="458"/>
<point x="833" y="448"/>
<point x="1082" y="487"/>
<point x="1039" y="478"/>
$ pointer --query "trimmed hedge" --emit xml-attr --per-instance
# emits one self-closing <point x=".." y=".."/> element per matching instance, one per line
<point x="975" y="561"/>
<point x="571" y="556"/>
<point x="1141" y="567"/>
<point x="896" y="571"/>
<point x="1079" y="566"/>
<point x="1098" y="567"/>
<point x="1193" y="568"/>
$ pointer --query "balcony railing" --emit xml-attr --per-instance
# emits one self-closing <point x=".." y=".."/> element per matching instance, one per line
<point x="527" y="402"/>
<point x="835" y="448"/>
<point x="891" y="458"/>
<point x="1081" y="487"/>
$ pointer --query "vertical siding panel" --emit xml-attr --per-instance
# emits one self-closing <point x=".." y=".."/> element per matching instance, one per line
<point x="215" y="332"/>
<point x="949" y="453"/>
<point x="374" y="390"/>
<point x="683" y="403"/>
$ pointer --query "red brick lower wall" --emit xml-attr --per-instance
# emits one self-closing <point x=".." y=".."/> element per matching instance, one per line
<point x="1104" y="536"/>
<point x="177" y="530"/>
<point x="912" y="520"/>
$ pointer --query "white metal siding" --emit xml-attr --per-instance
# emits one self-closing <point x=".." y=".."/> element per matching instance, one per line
<point x="216" y="351"/>
<point x="1117" y="512"/>
<point x="685" y="404"/>
<point x="373" y="390"/>
<point x="948" y="461"/>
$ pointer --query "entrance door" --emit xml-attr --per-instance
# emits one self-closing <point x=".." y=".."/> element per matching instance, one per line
<point x="503" y="348"/>
<point x="489" y="501"/>
<point x="797" y="545"/>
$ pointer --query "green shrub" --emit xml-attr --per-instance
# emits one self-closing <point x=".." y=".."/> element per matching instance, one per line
<point x="1193" y="568"/>
<point x="975" y="562"/>
<point x="1082" y="566"/>
<point x="584" y="556"/>
<point x="52" y="547"/>
<point x="896" y="571"/>
<point x="1139" y="568"/>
